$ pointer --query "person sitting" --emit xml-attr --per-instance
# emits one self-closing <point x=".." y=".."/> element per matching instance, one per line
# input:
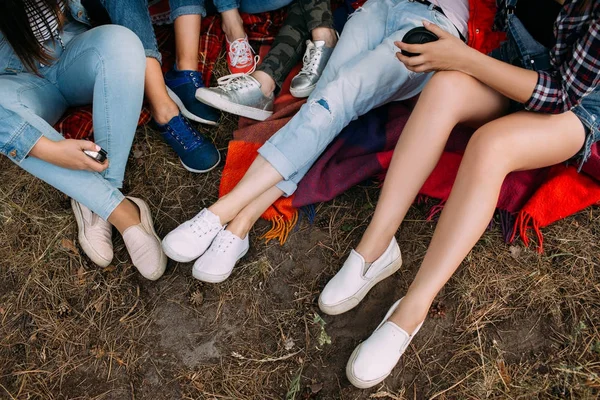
<point x="50" y="60"/>
<point x="251" y="94"/>
<point x="362" y="73"/>
<point x="171" y="97"/>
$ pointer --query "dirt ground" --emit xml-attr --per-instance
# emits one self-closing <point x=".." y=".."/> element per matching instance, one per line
<point x="511" y="324"/>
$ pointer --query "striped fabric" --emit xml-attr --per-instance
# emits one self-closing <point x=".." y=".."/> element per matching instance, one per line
<point x="43" y="22"/>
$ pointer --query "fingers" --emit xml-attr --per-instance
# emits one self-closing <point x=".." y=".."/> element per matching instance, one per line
<point x="94" y="166"/>
<point x="411" y="48"/>
<point x="439" y="32"/>
<point x="414" y="64"/>
<point x="87" y="145"/>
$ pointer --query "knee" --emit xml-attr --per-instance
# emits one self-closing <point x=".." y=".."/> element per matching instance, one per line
<point x="488" y="152"/>
<point x="447" y="85"/>
<point x="120" y="47"/>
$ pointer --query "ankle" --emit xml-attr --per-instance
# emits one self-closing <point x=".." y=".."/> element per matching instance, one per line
<point x="126" y="214"/>
<point x="163" y="113"/>
<point x="221" y="210"/>
<point x="187" y="64"/>
<point x="267" y="84"/>
<point x="240" y="226"/>
<point x="327" y="35"/>
<point x="370" y="252"/>
<point x="233" y="25"/>
<point x="411" y="312"/>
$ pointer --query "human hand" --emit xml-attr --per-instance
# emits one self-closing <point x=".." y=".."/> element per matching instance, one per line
<point x="447" y="53"/>
<point x="68" y="154"/>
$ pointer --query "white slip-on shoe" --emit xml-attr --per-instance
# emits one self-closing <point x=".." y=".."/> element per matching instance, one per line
<point x="94" y="235"/>
<point x="217" y="263"/>
<point x="190" y="240"/>
<point x="375" y="358"/>
<point x="353" y="281"/>
<point x="143" y="244"/>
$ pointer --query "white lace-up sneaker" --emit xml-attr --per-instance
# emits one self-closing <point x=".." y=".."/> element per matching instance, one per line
<point x="375" y="358"/>
<point x="217" y="263"/>
<point x="351" y="284"/>
<point x="94" y="235"/>
<point x="190" y="240"/>
<point x="240" y="56"/>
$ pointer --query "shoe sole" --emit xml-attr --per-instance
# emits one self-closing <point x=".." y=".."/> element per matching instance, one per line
<point x="352" y="302"/>
<point x="216" y="278"/>
<point x="233" y="108"/>
<point x="302" y="93"/>
<point x="201" y="171"/>
<point x="173" y="255"/>
<point x="87" y="248"/>
<point x="359" y="383"/>
<point x="186" y="113"/>
<point x="144" y="210"/>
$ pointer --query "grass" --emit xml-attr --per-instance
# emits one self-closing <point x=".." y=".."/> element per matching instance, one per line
<point x="511" y="324"/>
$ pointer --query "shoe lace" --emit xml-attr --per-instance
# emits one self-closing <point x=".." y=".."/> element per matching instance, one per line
<point x="240" y="52"/>
<point x="222" y="243"/>
<point x="310" y="61"/>
<point x="199" y="227"/>
<point x="189" y="138"/>
<point x="237" y="81"/>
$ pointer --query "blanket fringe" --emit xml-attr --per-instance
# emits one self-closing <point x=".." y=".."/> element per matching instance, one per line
<point x="523" y="223"/>
<point x="280" y="228"/>
<point x="507" y="224"/>
<point x="435" y="211"/>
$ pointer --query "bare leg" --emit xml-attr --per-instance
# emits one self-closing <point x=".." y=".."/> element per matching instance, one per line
<point x="267" y="84"/>
<point x="245" y="220"/>
<point x="519" y="141"/>
<point x="326" y="34"/>
<point x="421" y="145"/>
<point x="161" y="105"/>
<point x="187" y="41"/>
<point x="233" y="26"/>
<point x="125" y="215"/>
<point x="260" y="177"/>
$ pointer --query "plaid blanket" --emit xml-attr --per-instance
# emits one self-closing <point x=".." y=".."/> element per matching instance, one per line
<point x="261" y="28"/>
<point x="528" y="199"/>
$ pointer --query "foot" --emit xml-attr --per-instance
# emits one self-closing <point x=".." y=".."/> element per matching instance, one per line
<point x="182" y="86"/>
<point x="190" y="240"/>
<point x="197" y="154"/>
<point x="94" y="234"/>
<point x="313" y="64"/>
<point x="375" y="358"/>
<point x="143" y="244"/>
<point x="239" y="95"/>
<point x="351" y="284"/>
<point x="240" y="56"/>
<point x="217" y="263"/>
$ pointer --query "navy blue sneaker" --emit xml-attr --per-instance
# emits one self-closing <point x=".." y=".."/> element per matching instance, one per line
<point x="182" y="86"/>
<point x="196" y="153"/>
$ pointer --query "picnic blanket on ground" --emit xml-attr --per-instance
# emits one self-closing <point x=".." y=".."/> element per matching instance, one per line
<point x="261" y="28"/>
<point x="528" y="199"/>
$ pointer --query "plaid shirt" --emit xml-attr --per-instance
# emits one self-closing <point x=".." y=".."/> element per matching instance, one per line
<point x="575" y="59"/>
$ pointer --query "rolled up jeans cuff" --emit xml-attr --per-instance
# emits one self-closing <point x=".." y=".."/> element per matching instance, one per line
<point x="278" y="160"/>
<point x="188" y="10"/>
<point x="287" y="187"/>
<point x="151" y="53"/>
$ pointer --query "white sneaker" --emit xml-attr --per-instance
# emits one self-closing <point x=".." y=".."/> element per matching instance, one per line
<point x="217" y="263"/>
<point x="95" y="235"/>
<point x="375" y="358"/>
<point x="143" y="244"/>
<point x="191" y="239"/>
<point x="351" y="284"/>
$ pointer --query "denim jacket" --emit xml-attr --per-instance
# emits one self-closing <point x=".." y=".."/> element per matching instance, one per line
<point x="16" y="137"/>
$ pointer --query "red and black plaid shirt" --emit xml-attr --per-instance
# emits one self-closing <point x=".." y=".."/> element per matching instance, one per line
<point x="575" y="58"/>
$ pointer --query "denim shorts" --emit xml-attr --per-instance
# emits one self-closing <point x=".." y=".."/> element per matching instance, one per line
<point x="522" y="50"/>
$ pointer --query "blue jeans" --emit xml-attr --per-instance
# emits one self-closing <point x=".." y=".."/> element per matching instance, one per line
<point x="363" y="73"/>
<point x="102" y="66"/>
<point x="135" y="16"/>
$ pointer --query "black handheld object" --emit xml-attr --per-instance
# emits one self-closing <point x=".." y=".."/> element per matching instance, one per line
<point x="418" y="35"/>
<point x="99" y="155"/>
